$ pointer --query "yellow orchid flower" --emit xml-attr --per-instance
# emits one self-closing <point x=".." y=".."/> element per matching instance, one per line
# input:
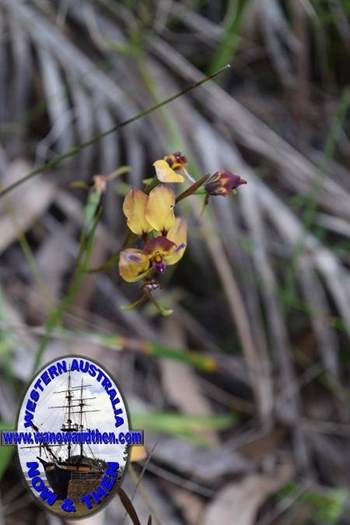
<point x="155" y="211"/>
<point x="162" y="237"/>
<point x="157" y="254"/>
<point x="159" y="211"/>
<point x="165" y="173"/>
<point x="134" y="207"/>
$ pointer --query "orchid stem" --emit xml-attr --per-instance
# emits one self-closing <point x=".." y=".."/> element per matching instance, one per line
<point x="78" y="147"/>
<point x="139" y="302"/>
<point x="165" y="312"/>
<point x="192" y="189"/>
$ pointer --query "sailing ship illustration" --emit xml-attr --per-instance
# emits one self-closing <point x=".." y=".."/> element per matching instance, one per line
<point x="75" y="464"/>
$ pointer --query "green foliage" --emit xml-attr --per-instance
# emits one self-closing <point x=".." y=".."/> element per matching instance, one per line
<point x="6" y="453"/>
<point x="310" y="199"/>
<point x="323" y="9"/>
<point x="90" y="222"/>
<point x="180" y="425"/>
<point x="326" y="506"/>
<point x="7" y="342"/>
<point x="228" y="44"/>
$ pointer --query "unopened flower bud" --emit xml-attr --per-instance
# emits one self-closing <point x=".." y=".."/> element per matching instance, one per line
<point x="223" y="182"/>
<point x="100" y="183"/>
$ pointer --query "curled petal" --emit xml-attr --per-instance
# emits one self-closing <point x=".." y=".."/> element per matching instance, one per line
<point x="160" y="208"/>
<point x="133" y="264"/>
<point x="134" y="207"/>
<point x="165" y="173"/>
<point x="178" y="235"/>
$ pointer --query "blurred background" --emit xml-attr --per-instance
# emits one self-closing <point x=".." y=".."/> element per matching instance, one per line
<point x="243" y="392"/>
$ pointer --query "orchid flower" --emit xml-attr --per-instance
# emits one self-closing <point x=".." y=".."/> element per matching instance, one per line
<point x="156" y="255"/>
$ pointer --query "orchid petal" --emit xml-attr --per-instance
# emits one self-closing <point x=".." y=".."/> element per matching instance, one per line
<point x="133" y="264"/>
<point x="165" y="173"/>
<point x="134" y="207"/>
<point x="160" y="208"/>
<point x="178" y="235"/>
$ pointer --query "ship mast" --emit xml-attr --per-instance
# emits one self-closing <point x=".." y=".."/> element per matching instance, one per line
<point x="69" y="424"/>
<point x="69" y="420"/>
<point x="81" y="404"/>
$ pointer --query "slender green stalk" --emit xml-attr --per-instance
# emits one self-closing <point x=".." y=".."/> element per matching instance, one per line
<point x="75" y="149"/>
<point x="198" y="360"/>
<point x="91" y="218"/>
<point x="228" y="44"/>
<point x="310" y="200"/>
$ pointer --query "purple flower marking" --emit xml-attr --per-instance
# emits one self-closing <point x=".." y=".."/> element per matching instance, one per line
<point x="134" y="258"/>
<point x="159" y="267"/>
<point x="180" y="247"/>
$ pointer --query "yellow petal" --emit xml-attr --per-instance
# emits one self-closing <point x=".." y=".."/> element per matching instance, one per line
<point x="160" y="208"/>
<point x="165" y="173"/>
<point x="134" y="206"/>
<point x="133" y="264"/>
<point x="178" y="235"/>
<point x="137" y="453"/>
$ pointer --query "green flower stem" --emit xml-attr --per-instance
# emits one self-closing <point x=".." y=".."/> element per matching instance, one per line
<point x="192" y="189"/>
<point x="90" y="222"/>
<point x="165" y="312"/>
<point x="139" y="302"/>
<point x="75" y="149"/>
